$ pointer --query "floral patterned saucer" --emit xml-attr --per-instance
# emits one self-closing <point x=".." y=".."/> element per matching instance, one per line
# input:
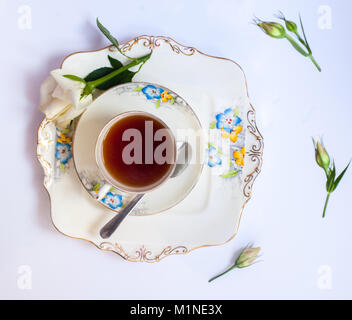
<point x="154" y="99"/>
<point x="216" y="89"/>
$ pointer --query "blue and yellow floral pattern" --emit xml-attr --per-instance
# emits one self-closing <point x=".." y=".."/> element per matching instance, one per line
<point x="213" y="157"/>
<point x="227" y="120"/>
<point x="112" y="200"/>
<point x="157" y="94"/>
<point x="63" y="150"/>
<point x="102" y="191"/>
<point x="152" y="92"/>
<point x="229" y="125"/>
<point x="239" y="156"/>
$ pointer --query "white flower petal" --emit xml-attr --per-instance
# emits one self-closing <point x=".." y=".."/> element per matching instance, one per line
<point x="70" y="114"/>
<point x="61" y="94"/>
<point x="54" y="108"/>
<point x="71" y="89"/>
<point x="60" y="98"/>
<point x="46" y="89"/>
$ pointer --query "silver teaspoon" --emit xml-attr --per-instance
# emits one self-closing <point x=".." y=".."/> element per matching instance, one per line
<point x="183" y="159"/>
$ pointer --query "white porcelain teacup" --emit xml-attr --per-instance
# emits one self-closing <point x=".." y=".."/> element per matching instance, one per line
<point x="122" y="168"/>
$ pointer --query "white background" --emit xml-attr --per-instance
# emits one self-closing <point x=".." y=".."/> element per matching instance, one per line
<point x="293" y="102"/>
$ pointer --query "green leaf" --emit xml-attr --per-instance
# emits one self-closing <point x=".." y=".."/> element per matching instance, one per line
<point x="230" y="162"/>
<point x="331" y="178"/>
<point x="138" y="89"/>
<point x="212" y="125"/>
<point x="229" y="174"/>
<point x="304" y="35"/>
<point x="98" y="73"/>
<point x="96" y="187"/>
<point x="123" y="77"/>
<point x="236" y="112"/>
<point x="62" y="167"/>
<point x="337" y="181"/>
<point x="111" y="38"/>
<point x="111" y="189"/>
<point x="157" y="103"/>
<point x="74" y="78"/>
<point x="96" y="83"/>
<point x="108" y="35"/>
<point x="314" y="143"/>
<point x="66" y="130"/>
<point x="172" y="100"/>
<point x="305" y="42"/>
<point x="116" y="64"/>
<point x="87" y="90"/>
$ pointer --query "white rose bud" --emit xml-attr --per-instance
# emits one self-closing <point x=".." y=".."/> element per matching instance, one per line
<point x="247" y="257"/>
<point x="60" y="98"/>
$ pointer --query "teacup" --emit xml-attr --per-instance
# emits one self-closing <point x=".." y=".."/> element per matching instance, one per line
<point x="136" y="152"/>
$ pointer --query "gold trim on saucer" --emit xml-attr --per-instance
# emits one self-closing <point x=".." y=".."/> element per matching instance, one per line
<point x="254" y="154"/>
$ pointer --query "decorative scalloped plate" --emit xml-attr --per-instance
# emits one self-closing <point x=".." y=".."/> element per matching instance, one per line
<point x="216" y="90"/>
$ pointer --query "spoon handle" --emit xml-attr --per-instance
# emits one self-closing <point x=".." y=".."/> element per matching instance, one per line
<point x="112" y="225"/>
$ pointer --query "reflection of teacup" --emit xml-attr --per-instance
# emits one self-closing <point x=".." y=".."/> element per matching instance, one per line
<point x="136" y="152"/>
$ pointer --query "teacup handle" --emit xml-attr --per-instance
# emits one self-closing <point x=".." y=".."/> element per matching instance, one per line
<point x="104" y="190"/>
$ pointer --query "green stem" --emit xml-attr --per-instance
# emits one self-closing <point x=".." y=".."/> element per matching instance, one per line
<point x="98" y="82"/>
<point x="221" y="274"/>
<point x="296" y="45"/>
<point x="326" y="203"/>
<point x="91" y="85"/>
<point x="125" y="55"/>
<point x="315" y="63"/>
<point x="301" y="51"/>
<point x="302" y="41"/>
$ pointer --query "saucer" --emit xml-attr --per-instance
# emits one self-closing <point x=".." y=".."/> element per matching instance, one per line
<point x="173" y="110"/>
<point x="210" y="215"/>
